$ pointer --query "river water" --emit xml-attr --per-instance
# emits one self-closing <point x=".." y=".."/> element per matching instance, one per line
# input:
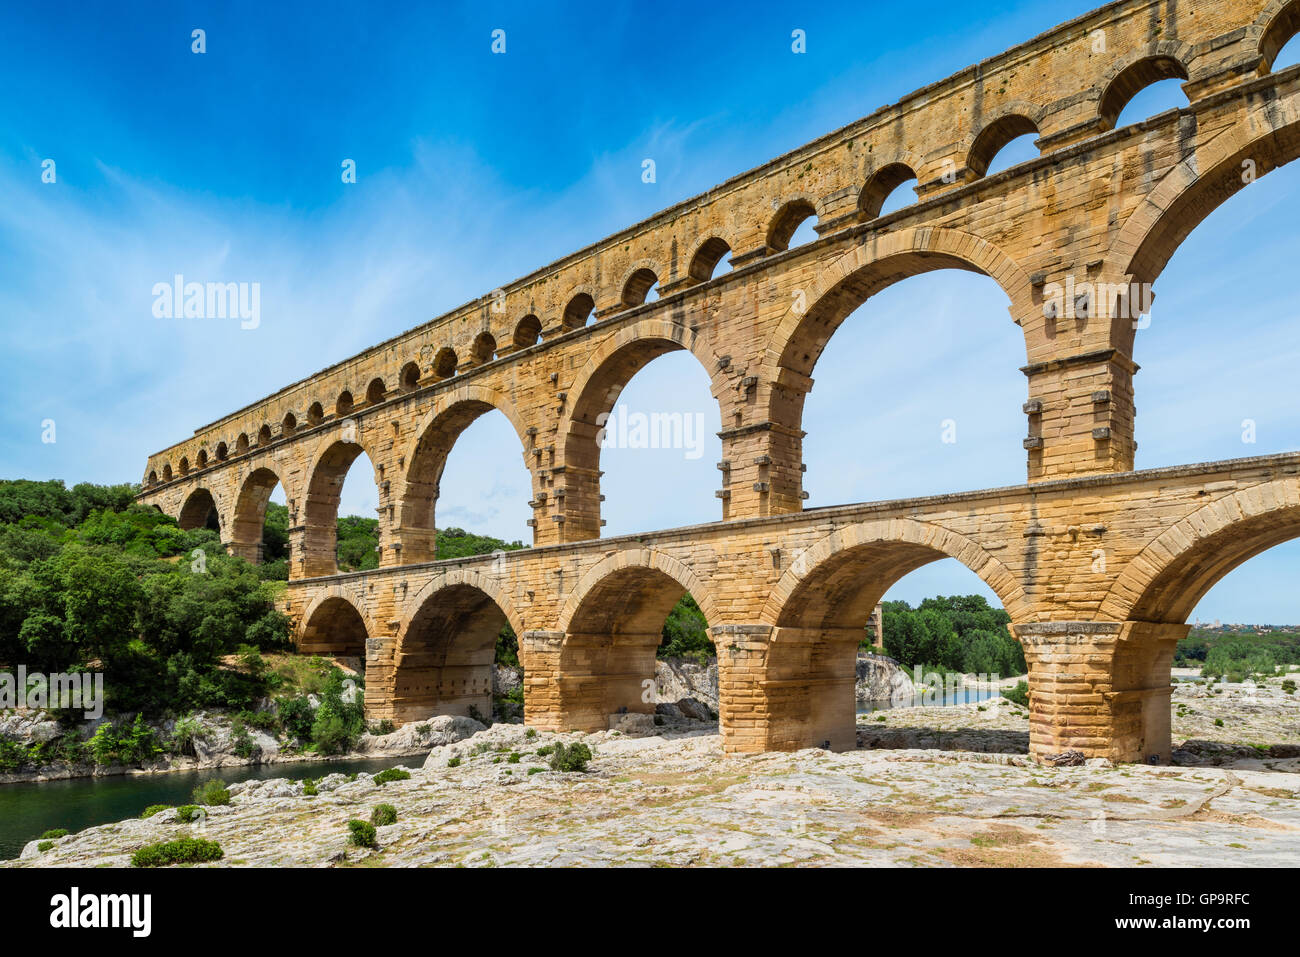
<point x="29" y="810"/>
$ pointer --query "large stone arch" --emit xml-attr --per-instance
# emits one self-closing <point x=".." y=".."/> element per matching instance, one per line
<point x="198" y="503"/>
<point x="249" y="520"/>
<point x="612" y="624"/>
<point x="592" y="396"/>
<point x="1268" y="138"/>
<point x="914" y="544"/>
<point x="878" y="262"/>
<point x="337" y="622"/>
<point x="315" y="554"/>
<point x="414" y="532"/>
<point x="444" y="656"/>
<point x="1168" y="578"/>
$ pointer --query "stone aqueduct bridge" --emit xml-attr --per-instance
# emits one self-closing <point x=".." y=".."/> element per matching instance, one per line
<point x="1098" y="565"/>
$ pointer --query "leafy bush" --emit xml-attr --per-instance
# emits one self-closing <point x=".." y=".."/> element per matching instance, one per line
<point x="386" y="727"/>
<point x="392" y="774"/>
<point x="44" y="846"/>
<point x="295" y="717"/>
<point x="572" y="757"/>
<point x="453" y="762"/>
<point x="212" y="793"/>
<point x="55" y="833"/>
<point x="337" y="724"/>
<point x="383" y="814"/>
<point x="128" y="745"/>
<point x="1019" y="694"/>
<point x="184" y="850"/>
<point x="362" y="833"/>
<point x="187" y="813"/>
<point x="309" y="788"/>
<point x="1288" y="686"/>
<point x="153" y="809"/>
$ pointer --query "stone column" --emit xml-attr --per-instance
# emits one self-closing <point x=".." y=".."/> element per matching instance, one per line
<point x="1102" y="688"/>
<point x="539" y="654"/>
<point x="381" y="672"/>
<point x="783" y="689"/>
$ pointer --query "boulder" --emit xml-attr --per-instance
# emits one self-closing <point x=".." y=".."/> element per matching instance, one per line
<point x="634" y="723"/>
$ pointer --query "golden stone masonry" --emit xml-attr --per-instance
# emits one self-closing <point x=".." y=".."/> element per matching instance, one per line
<point x="1098" y="565"/>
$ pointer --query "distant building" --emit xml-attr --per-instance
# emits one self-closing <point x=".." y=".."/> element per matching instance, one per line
<point x="876" y="626"/>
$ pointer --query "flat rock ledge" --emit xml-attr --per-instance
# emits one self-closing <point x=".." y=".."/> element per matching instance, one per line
<point x="669" y="796"/>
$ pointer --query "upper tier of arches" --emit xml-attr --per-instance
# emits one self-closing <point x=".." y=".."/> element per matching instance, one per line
<point x="842" y="179"/>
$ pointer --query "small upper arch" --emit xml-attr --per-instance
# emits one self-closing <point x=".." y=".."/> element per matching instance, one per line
<point x="578" y="311"/>
<point x="1127" y="80"/>
<point x="880" y="186"/>
<point x="484" y="348"/>
<point x="376" y="391"/>
<point x="1278" y="24"/>
<point x="528" y="331"/>
<point x="706" y="257"/>
<point x="989" y="142"/>
<point x="789" y="218"/>
<point x="637" y="283"/>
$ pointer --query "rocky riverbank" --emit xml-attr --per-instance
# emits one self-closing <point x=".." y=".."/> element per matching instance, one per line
<point x="668" y="796"/>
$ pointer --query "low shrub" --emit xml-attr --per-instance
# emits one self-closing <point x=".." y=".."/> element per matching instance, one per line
<point x="44" y="846"/>
<point x="362" y="833"/>
<point x="392" y="774"/>
<point x="184" y="850"/>
<point x="153" y="809"/>
<point x="385" y="727"/>
<point x="54" y="833"/>
<point x="572" y="757"/>
<point x="383" y="814"/>
<point x="309" y="788"/>
<point x="189" y="812"/>
<point x="453" y="762"/>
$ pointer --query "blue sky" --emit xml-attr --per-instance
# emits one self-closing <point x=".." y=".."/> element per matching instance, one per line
<point x="474" y="169"/>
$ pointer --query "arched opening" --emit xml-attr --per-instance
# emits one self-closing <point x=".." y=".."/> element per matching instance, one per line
<point x="375" y="392"/>
<point x="445" y="362"/>
<point x="578" y="312"/>
<point x="288" y="424"/>
<point x="260" y="529"/>
<point x="1002" y="144"/>
<point x="153" y="477"/>
<point x="264" y="436"/>
<point x="678" y="434"/>
<point x="639" y="287"/>
<point x="836" y="632"/>
<point x="223" y="451"/>
<point x="483" y="349"/>
<point x="202" y="458"/>
<point x="910" y="371"/>
<point x="241" y="443"/>
<point x="315" y="414"/>
<point x="787" y="222"/>
<point x="704" y="264"/>
<point x="200" y="511"/>
<point x="340" y="538"/>
<point x="343" y="405"/>
<point x="410" y="377"/>
<point x="1145" y="88"/>
<point x="660" y="448"/>
<point x="185" y="465"/>
<point x="1195" y="260"/>
<point x="468" y="467"/>
<point x="528" y="332"/>
<point x="445" y="659"/>
<point x="167" y="472"/>
<point x="886" y="191"/>
<point x="607" y="662"/>
<point x="1278" y="45"/>
<point x="335" y="629"/>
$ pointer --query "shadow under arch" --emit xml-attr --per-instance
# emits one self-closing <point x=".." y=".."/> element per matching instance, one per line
<point x="612" y="624"/>
<point x="1167" y="580"/>
<point x="318" y="554"/>
<point x="335" y="625"/>
<point x="819" y="610"/>
<point x="426" y="456"/>
<point x="593" y="394"/>
<point x="446" y="653"/>
<point x="200" y="510"/>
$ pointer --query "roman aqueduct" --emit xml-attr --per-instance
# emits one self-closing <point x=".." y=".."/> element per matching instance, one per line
<point x="1098" y="565"/>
